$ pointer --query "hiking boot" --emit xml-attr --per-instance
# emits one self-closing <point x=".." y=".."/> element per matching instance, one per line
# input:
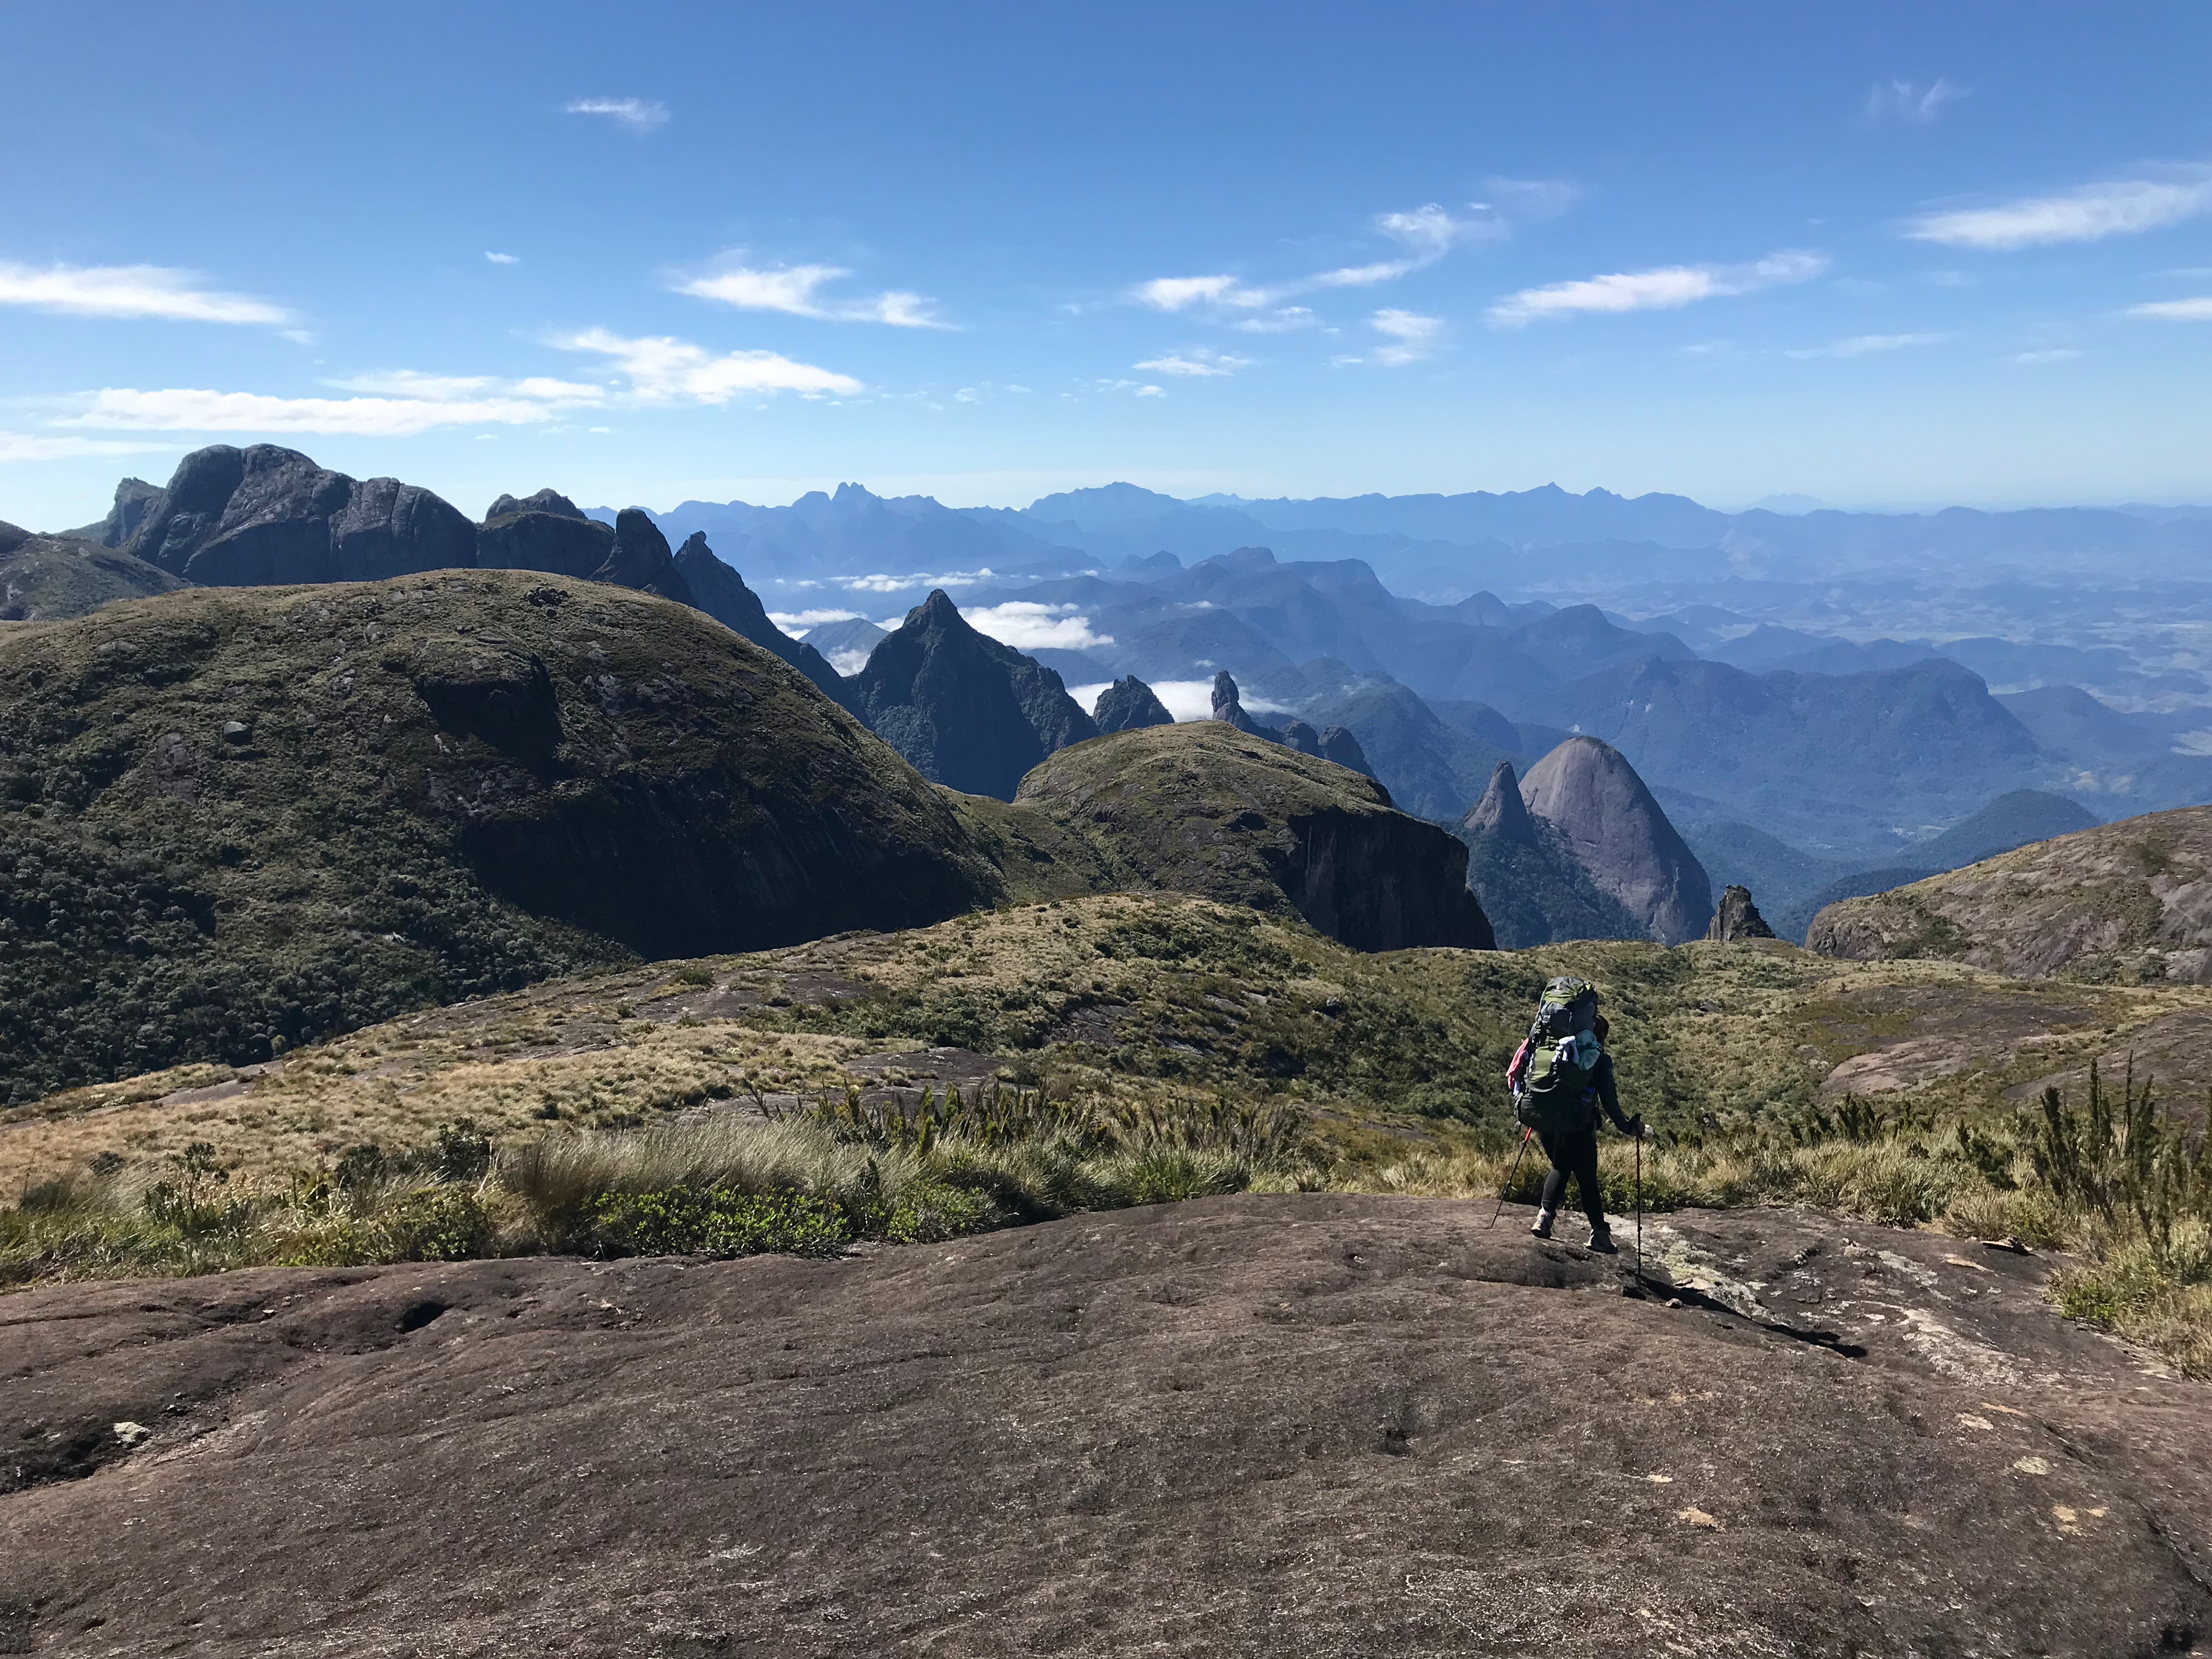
<point x="1601" y="1241"/>
<point x="1543" y="1227"/>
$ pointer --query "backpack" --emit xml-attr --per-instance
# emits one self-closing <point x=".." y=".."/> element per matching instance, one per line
<point x="1562" y="1059"/>
<point x="1569" y="1005"/>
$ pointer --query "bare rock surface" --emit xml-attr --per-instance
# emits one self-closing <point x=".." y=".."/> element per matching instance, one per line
<point x="1736" y="917"/>
<point x="1621" y="837"/>
<point x="2131" y="899"/>
<point x="1127" y="704"/>
<point x="1307" y="1424"/>
<point x="965" y="710"/>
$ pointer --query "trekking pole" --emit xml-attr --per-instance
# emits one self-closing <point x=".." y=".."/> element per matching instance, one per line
<point x="1527" y="1135"/>
<point x="1639" y="1204"/>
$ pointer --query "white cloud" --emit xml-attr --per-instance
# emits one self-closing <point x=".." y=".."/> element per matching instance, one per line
<point x="882" y="583"/>
<point x="129" y="291"/>
<point x="1151" y="392"/>
<point x="1865" y="345"/>
<point x="1193" y="700"/>
<point x="663" y="369"/>
<point x="638" y="114"/>
<point x="188" y="409"/>
<point x="2049" y="355"/>
<point x="1028" y="626"/>
<point x="850" y="661"/>
<point x="2177" y="311"/>
<point x="2116" y="207"/>
<point x="25" y="447"/>
<point x="1667" y="288"/>
<point x="1413" y="336"/>
<point x="1181" y="293"/>
<point x="1199" y="363"/>
<point x="802" y="620"/>
<point x="1289" y="320"/>
<point x="792" y="289"/>
<point x="504" y="258"/>
<point x="1908" y="103"/>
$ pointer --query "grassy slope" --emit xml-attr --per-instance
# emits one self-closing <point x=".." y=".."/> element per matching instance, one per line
<point x="235" y="820"/>
<point x="1135" y="999"/>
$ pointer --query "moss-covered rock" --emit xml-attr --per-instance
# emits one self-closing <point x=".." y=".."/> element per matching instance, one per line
<point x="1201" y="807"/>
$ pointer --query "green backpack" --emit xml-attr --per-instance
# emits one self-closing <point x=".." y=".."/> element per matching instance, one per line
<point x="1557" y="1091"/>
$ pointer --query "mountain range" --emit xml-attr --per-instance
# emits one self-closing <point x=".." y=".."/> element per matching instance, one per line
<point x="1847" y="753"/>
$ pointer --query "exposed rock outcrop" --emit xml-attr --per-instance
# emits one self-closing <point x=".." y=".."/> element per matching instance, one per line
<point x="1201" y="808"/>
<point x="1301" y="737"/>
<point x="965" y="710"/>
<point x="1501" y="811"/>
<point x="721" y="593"/>
<point x="263" y="515"/>
<point x="2130" y="900"/>
<point x="1737" y="917"/>
<point x="1525" y="872"/>
<point x="132" y="497"/>
<point x="1337" y="744"/>
<point x="1370" y="1412"/>
<point x="1620" y="837"/>
<point x="546" y="531"/>
<point x="1127" y="704"/>
<point x="313" y="809"/>
<point x="1229" y="708"/>
<point x="49" y="578"/>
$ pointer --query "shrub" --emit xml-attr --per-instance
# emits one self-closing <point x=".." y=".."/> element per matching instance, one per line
<point x="713" y="1221"/>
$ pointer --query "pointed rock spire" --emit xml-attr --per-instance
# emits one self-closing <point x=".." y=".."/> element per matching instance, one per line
<point x="1737" y="918"/>
<point x="1337" y="744"/>
<point x="1618" y="834"/>
<point x="1501" y="809"/>
<point x="1127" y="704"/>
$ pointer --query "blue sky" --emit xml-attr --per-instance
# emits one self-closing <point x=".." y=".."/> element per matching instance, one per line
<point x="1879" y="254"/>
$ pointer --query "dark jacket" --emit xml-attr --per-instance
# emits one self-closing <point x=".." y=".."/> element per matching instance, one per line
<point x="1601" y="1092"/>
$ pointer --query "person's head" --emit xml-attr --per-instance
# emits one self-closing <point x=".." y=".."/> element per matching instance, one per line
<point x="1599" y="1028"/>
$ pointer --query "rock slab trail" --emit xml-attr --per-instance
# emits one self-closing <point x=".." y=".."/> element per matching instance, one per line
<point x="1310" y="1425"/>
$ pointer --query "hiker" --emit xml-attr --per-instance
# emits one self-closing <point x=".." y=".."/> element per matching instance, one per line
<point x="1560" y="1077"/>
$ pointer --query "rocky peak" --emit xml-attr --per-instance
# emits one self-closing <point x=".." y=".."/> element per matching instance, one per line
<point x="1501" y="811"/>
<point x="1337" y="744"/>
<point x="1618" y="834"/>
<point x="1301" y="737"/>
<point x="1737" y="918"/>
<point x="1127" y="704"/>
<point x="236" y="518"/>
<point x="545" y="500"/>
<point x="965" y="710"/>
<point x="1228" y="707"/>
<point x="641" y="558"/>
<point x="720" y="592"/>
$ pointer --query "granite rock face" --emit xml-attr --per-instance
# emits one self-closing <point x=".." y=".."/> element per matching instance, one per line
<point x="263" y="515"/>
<point x="1229" y="706"/>
<point x="1201" y="808"/>
<point x="1127" y="704"/>
<point x="1525" y="872"/>
<point x="1301" y="737"/>
<point x="965" y="711"/>
<point x="1620" y="837"/>
<point x="132" y="497"/>
<point x="1337" y="744"/>
<point x="720" y="592"/>
<point x="546" y="531"/>
<point x="2130" y="901"/>
<point x="1737" y="917"/>
<point x="1374" y="1413"/>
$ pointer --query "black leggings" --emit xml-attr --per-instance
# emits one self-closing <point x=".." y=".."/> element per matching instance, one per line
<point x="1573" y="1153"/>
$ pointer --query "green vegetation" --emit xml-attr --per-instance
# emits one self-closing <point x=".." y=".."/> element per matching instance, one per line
<point x="235" y="821"/>
<point x="1129" y="1049"/>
